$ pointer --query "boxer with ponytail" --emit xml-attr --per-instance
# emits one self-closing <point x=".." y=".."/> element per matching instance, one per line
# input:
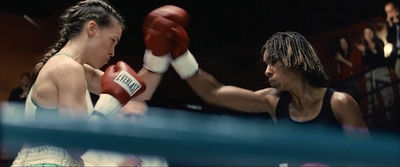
<point x="62" y="80"/>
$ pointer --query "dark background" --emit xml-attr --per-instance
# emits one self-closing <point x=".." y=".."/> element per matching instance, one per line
<point x="226" y="23"/>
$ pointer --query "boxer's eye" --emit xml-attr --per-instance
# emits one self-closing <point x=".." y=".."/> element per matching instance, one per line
<point x="114" y="41"/>
<point x="274" y="59"/>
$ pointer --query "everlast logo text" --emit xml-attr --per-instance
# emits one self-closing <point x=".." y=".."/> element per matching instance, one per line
<point x="128" y="82"/>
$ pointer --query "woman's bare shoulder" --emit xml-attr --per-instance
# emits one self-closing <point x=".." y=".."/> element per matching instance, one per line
<point x="61" y="69"/>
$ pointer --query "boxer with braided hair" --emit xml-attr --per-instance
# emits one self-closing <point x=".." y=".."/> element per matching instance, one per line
<point x="73" y="19"/>
<point x="298" y="91"/>
<point x="62" y="80"/>
<point x="301" y="56"/>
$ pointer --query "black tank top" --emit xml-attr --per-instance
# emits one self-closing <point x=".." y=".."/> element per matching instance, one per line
<point x="325" y="114"/>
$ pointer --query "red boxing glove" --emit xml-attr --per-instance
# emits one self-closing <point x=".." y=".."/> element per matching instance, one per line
<point x="184" y="63"/>
<point x="122" y="82"/>
<point x="157" y="24"/>
<point x="181" y="41"/>
<point x="158" y="42"/>
<point x="176" y="14"/>
<point x="158" y="38"/>
<point x="119" y="84"/>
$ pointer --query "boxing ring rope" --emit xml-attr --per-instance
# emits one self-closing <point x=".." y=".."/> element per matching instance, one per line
<point x="193" y="139"/>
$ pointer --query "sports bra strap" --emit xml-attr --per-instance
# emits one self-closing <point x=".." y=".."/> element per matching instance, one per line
<point x="63" y="53"/>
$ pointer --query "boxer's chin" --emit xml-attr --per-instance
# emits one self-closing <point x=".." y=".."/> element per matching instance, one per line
<point x="95" y="66"/>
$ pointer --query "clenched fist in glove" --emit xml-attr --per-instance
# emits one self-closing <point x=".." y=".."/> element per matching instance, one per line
<point x="118" y="85"/>
<point x="158" y="38"/>
<point x="176" y="14"/>
<point x="157" y="35"/>
<point x="184" y="62"/>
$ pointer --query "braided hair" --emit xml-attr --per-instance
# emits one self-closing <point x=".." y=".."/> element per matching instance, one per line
<point x="294" y="51"/>
<point x="72" y="21"/>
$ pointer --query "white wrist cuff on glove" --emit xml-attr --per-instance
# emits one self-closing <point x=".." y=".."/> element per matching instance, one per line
<point x="157" y="64"/>
<point x="107" y="105"/>
<point x="185" y="65"/>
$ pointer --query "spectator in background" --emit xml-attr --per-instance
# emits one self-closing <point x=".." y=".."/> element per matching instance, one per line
<point x="18" y="95"/>
<point x="377" y="76"/>
<point x="347" y="63"/>
<point x="393" y="35"/>
<point x="371" y="48"/>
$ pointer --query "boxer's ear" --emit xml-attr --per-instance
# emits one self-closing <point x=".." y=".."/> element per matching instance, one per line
<point x="91" y="28"/>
